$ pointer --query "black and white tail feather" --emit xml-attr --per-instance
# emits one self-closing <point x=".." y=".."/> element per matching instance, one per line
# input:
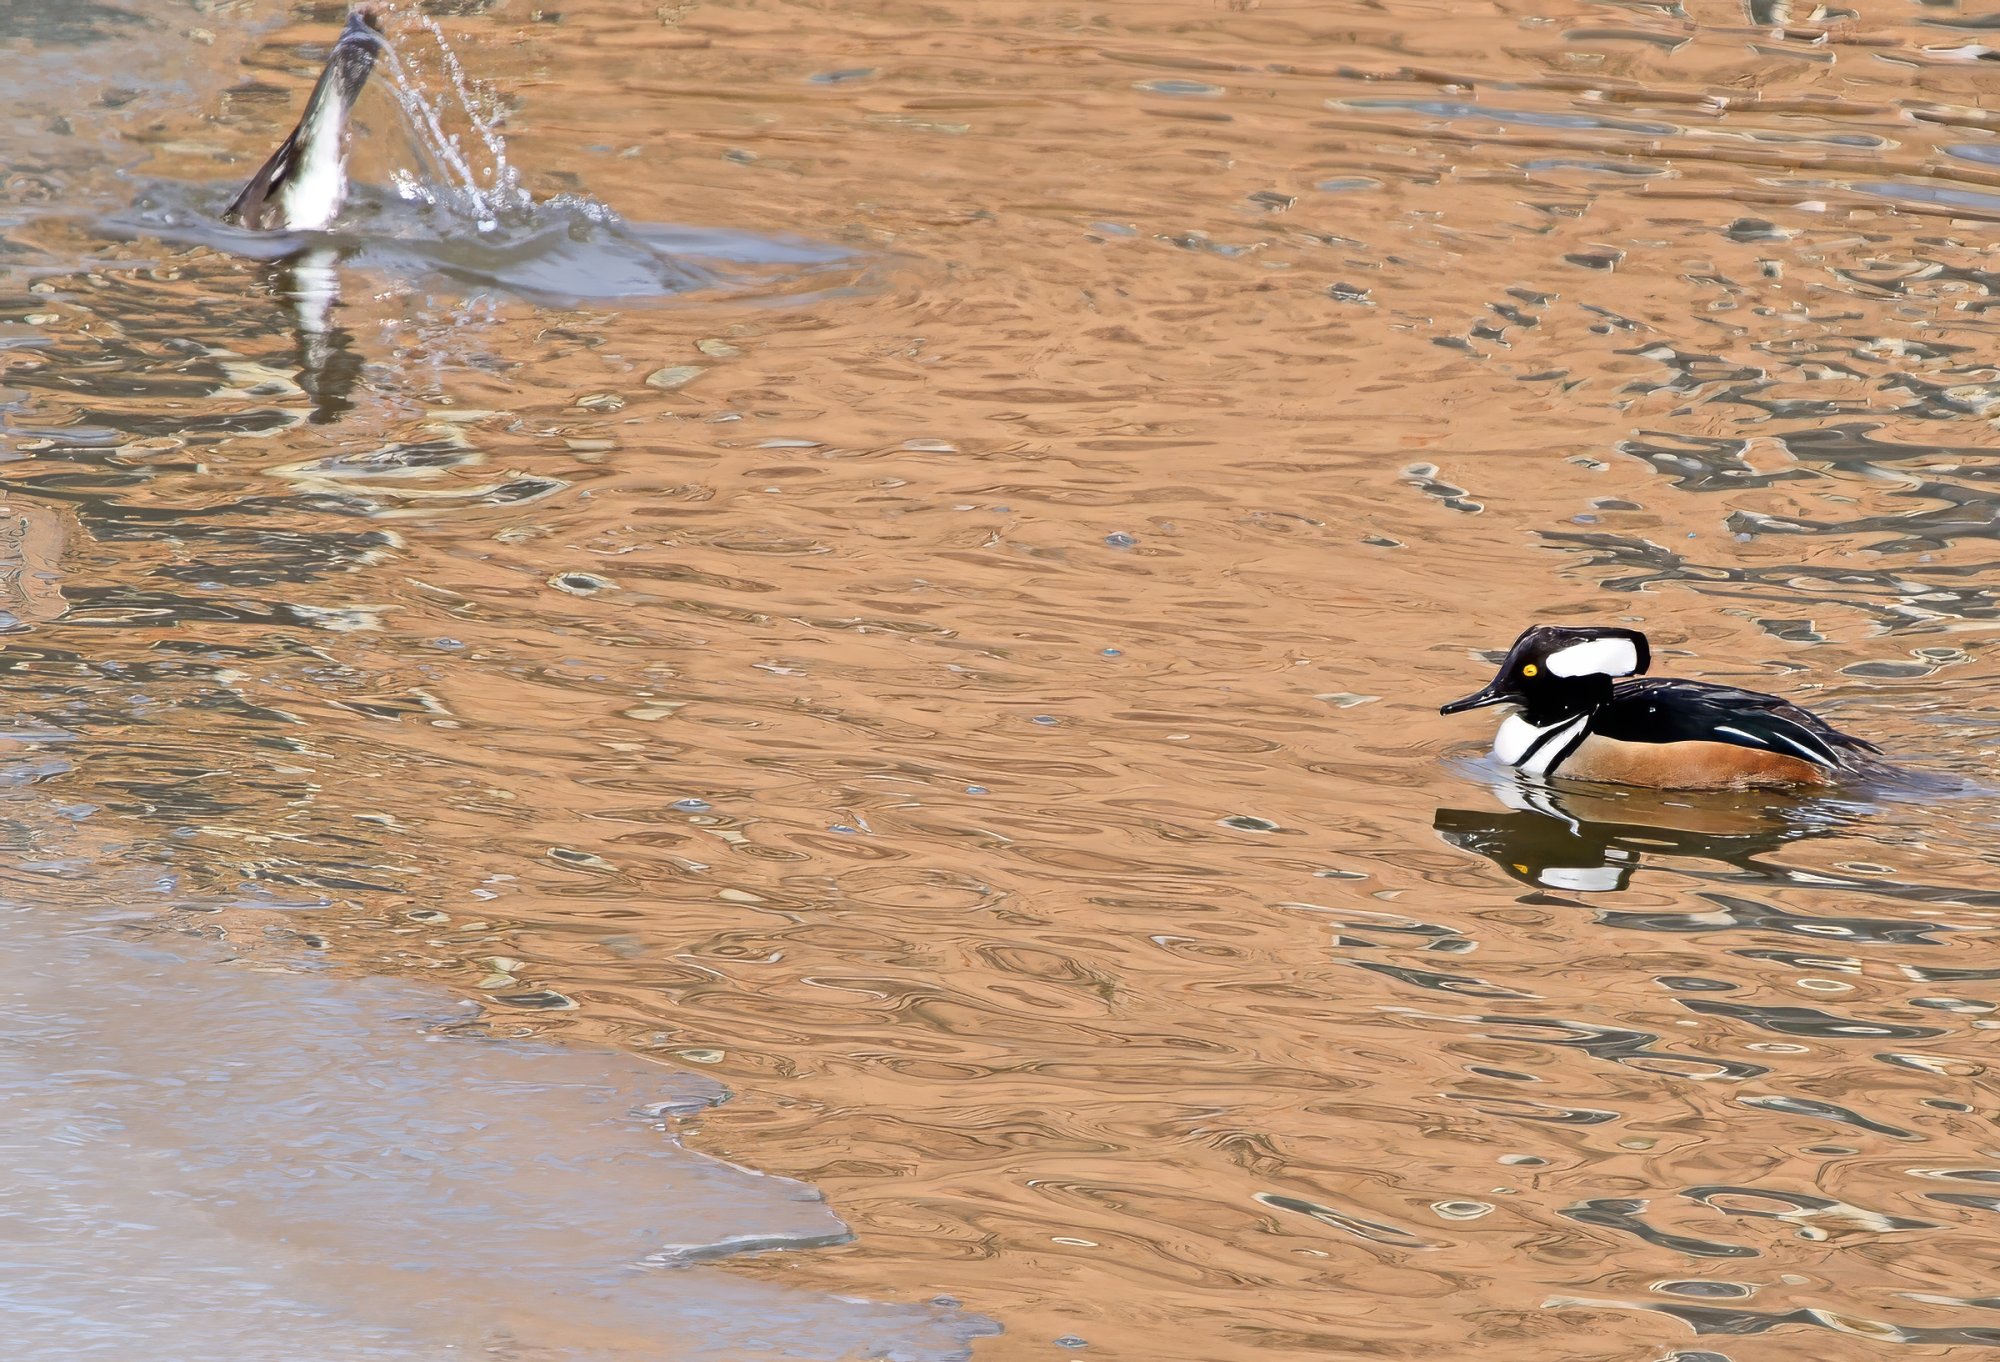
<point x="303" y="184"/>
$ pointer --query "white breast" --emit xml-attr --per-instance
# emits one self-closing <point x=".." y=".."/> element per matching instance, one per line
<point x="1516" y="736"/>
<point x="311" y="199"/>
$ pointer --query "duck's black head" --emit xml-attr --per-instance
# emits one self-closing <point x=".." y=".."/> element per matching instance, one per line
<point x="1554" y="671"/>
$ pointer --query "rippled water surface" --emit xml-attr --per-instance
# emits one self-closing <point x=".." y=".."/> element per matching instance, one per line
<point x="944" y="638"/>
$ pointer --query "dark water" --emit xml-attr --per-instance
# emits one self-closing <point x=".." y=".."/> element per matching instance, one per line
<point x="213" y="1154"/>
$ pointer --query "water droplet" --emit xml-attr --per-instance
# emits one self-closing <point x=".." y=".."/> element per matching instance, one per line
<point x="675" y="376"/>
<point x="541" y="1000"/>
<point x="1698" y="1290"/>
<point x="1188" y="89"/>
<point x="1461" y="1210"/>
<point x="580" y="583"/>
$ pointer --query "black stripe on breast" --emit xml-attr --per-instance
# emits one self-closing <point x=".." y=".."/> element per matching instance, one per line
<point x="1569" y="749"/>
<point x="1576" y="726"/>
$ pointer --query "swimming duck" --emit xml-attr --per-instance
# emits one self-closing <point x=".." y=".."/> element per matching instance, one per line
<point x="1579" y="716"/>
<point x="304" y="183"/>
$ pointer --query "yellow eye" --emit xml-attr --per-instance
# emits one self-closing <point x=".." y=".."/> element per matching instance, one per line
<point x="1530" y="670"/>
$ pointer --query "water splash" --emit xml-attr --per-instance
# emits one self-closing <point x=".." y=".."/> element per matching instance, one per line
<point x="488" y="188"/>
<point x="456" y="209"/>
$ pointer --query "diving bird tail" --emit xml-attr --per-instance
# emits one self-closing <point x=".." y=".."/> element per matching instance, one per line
<point x="304" y="183"/>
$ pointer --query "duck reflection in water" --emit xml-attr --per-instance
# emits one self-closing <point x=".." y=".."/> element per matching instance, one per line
<point x="300" y="188"/>
<point x="328" y="363"/>
<point x="1591" y="841"/>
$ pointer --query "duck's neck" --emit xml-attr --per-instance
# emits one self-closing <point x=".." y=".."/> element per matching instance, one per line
<point x="1553" y="705"/>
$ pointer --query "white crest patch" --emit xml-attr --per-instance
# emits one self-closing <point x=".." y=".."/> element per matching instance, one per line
<point x="1598" y="657"/>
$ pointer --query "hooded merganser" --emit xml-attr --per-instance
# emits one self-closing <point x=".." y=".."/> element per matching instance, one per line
<point x="304" y="183"/>
<point x="1578" y="719"/>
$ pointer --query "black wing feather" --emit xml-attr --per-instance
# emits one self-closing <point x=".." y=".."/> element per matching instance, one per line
<point x="249" y="208"/>
<point x="1662" y="709"/>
